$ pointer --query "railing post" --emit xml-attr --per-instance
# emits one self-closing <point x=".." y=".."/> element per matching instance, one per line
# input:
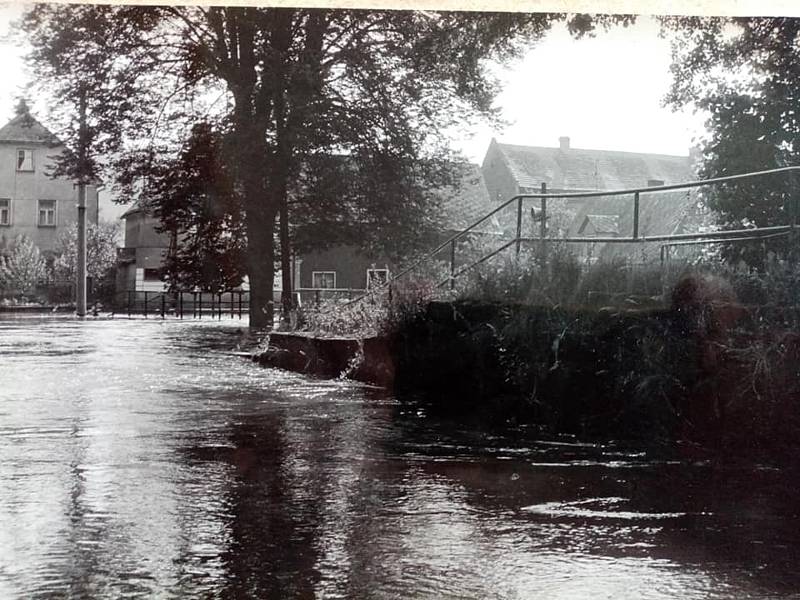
<point x="219" y="306"/>
<point x="636" y="215"/>
<point x="519" y="225"/>
<point x="145" y="304"/>
<point x="453" y="263"/>
<point x="129" y="304"/>
<point x="163" y="306"/>
<point x="200" y="307"/>
<point x="240" y="304"/>
<point x="543" y="226"/>
<point x="180" y="304"/>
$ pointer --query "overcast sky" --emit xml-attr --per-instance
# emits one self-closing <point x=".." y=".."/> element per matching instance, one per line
<point x="604" y="93"/>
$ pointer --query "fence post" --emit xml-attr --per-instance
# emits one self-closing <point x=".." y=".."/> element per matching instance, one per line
<point x="636" y="215"/>
<point x="180" y="304"/>
<point x="453" y="263"/>
<point x="163" y="306"/>
<point x="129" y="304"/>
<point x="219" y="306"/>
<point x="240" y="304"/>
<point x="543" y="226"/>
<point x="145" y="304"/>
<point x="200" y="307"/>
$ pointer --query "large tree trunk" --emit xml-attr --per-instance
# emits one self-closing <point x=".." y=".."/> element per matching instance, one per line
<point x="286" y="260"/>
<point x="261" y="263"/>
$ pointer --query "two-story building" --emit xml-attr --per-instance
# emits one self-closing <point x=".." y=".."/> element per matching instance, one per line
<point x="32" y="202"/>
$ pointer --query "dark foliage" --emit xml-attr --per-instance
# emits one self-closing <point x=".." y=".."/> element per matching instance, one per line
<point x="194" y="198"/>
<point x="743" y="72"/>
<point x="702" y="371"/>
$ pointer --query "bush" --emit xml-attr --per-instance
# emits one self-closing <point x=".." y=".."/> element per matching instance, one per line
<point x="380" y="312"/>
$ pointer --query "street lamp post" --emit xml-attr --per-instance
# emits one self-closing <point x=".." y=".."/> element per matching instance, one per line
<point x="80" y="287"/>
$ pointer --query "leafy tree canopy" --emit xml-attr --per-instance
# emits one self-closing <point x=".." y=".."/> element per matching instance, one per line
<point x="196" y="201"/>
<point x="289" y="87"/>
<point x="744" y="73"/>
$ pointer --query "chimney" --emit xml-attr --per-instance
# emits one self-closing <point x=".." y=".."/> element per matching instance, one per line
<point x="563" y="142"/>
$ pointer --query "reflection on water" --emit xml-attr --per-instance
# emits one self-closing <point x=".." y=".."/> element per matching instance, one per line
<point x="140" y="459"/>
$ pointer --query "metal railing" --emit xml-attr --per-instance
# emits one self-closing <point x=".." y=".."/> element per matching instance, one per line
<point x="635" y="236"/>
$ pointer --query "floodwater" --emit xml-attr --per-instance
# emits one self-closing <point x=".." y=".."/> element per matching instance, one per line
<point x="140" y="459"/>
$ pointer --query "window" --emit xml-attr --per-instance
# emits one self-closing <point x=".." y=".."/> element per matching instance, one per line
<point x="24" y="160"/>
<point x="47" y="213"/>
<point x="5" y="211"/>
<point x="323" y="279"/>
<point x="377" y="277"/>
<point x="152" y="274"/>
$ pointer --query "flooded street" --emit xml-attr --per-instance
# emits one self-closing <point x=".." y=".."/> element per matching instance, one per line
<point x="141" y="459"/>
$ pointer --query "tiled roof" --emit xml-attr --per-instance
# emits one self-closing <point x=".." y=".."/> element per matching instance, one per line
<point x="660" y="213"/>
<point x="24" y="128"/>
<point x="602" y="224"/>
<point x="578" y="169"/>
<point x="469" y="202"/>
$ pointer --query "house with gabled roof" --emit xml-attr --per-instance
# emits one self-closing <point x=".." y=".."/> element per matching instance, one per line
<point x="32" y="202"/>
<point x="510" y="169"/>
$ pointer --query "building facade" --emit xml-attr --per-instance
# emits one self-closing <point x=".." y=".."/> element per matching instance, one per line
<point x="32" y="202"/>
<point x="139" y="261"/>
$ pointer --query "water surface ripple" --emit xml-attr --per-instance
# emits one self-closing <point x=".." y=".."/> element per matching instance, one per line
<point x="140" y="459"/>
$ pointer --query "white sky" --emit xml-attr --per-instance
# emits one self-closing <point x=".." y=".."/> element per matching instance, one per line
<point x="603" y="92"/>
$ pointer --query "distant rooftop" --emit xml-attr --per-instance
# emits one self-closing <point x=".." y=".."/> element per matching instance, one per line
<point x="26" y="129"/>
<point x="469" y="201"/>
<point x="567" y="168"/>
<point x="602" y="224"/>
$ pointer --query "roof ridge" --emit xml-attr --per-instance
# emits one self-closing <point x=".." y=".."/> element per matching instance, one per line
<point x="501" y="146"/>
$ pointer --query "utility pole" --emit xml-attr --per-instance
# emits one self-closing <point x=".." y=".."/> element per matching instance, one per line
<point x="80" y="287"/>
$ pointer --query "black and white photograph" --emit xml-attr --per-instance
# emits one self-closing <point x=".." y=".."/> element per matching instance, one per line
<point x="423" y="301"/>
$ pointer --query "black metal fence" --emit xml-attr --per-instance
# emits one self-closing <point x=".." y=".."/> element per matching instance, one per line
<point x="195" y="305"/>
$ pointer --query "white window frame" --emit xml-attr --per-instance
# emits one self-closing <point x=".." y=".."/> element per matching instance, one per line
<point x="27" y="161"/>
<point x="315" y="274"/>
<point x="39" y="211"/>
<point x="372" y="270"/>
<point x="7" y="210"/>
